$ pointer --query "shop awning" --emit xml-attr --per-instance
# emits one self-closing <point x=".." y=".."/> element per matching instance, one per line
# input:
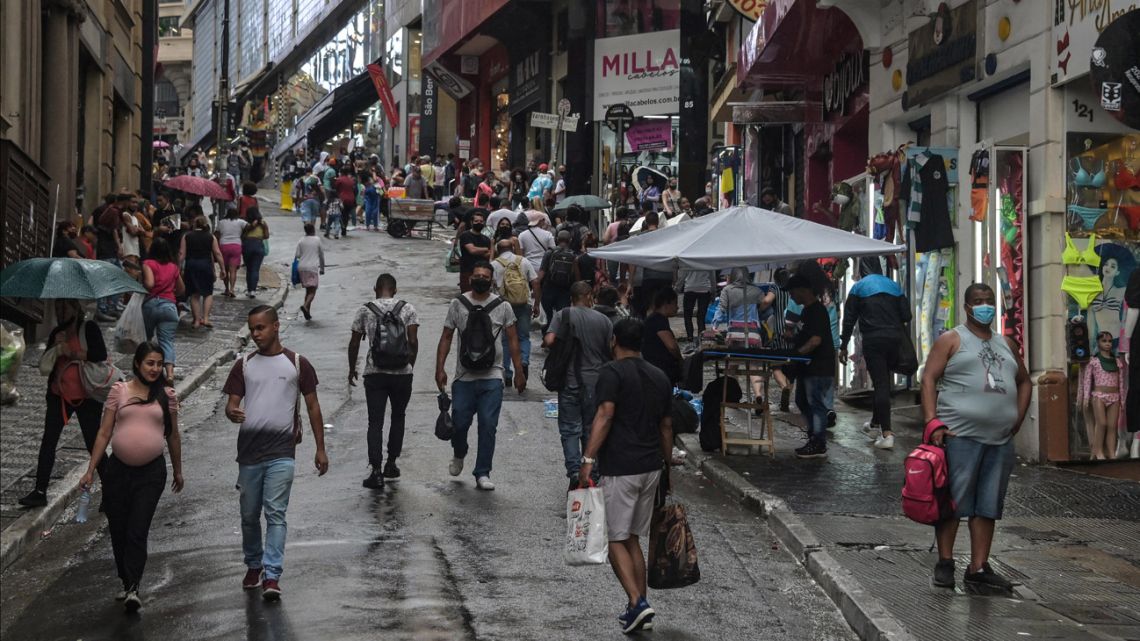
<point x="794" y="43"/>
<point x="243" y="90"/>
<point x="775" y="112"/>
<point x="726" y="92"/>
<point x="332" y="113"/>
<point x="447" y="23"/>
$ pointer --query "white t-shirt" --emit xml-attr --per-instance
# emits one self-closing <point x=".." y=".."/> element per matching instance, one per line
<point x="534" y="242"/>
<point x="560" y="191"/>
<point x="310" y="256"/>
<point x="528" y="272"/>
<point x="130" y="243"/>
<point x="230" y="231"/>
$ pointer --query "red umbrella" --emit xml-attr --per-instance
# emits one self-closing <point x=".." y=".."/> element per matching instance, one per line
<point x="198" y="186"/>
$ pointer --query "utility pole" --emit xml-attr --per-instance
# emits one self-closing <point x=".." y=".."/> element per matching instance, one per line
<point x="222" y="128"/>
<point x="149" y="39"/>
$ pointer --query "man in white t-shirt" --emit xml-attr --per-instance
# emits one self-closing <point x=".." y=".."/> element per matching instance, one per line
<point x="477" y="391"/>
<point x="267" y="443"/>
<point x="392" y="328"/>
<point x="535" y="242"/>
<point x="560" y="186"/>
<point x="507" y="261"/>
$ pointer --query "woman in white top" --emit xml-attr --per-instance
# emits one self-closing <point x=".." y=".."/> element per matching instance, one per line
<point x="310" y="259"/>
<point x="229" y="231"/>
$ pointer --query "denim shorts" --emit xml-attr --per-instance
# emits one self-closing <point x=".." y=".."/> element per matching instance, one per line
<point x="979" y="475"/>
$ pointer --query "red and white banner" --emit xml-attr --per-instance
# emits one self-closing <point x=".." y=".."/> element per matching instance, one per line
<point x="380" y="81"/>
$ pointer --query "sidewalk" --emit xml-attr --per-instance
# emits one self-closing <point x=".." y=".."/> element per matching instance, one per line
<point x="21" y="425"/>
<point x="1070" y="541"/>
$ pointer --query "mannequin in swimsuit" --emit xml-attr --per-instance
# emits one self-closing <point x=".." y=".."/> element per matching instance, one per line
<point x="1100" y="388"/>
<point x="1105" y="312"/>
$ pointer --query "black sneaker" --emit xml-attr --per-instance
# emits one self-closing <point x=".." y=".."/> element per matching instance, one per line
<point x="987" y="578"/>
<point x="785" y="400"/>
<point x="390" y="470"/>
<point x="832" y="419"/>
<point x="35" y="498"/>
<point x="813" y="449"/>
<point x="944" y="573"/>
<point x="374" y="481"/>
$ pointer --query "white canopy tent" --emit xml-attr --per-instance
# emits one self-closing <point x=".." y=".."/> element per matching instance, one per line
<point x="737" y="237"/>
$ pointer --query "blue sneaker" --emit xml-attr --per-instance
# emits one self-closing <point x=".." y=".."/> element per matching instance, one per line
<point x="637" y="617"/>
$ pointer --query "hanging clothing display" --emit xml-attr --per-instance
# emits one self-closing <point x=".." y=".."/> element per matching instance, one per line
<point x="928" y="213"/>
<point x="980" y="184"/>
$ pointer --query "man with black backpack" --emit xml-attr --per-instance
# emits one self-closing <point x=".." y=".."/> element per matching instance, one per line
<point x="391" y="326"/>
<point x="559" y="270"/>
<point x="579" y="343"/>
<point x="481" y="318"/>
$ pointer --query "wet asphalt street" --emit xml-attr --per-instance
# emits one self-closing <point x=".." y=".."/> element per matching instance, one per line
<point x="429" y="557"/>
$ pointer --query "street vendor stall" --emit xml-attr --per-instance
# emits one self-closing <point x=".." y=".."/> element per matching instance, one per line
<point x="742" y="236"/>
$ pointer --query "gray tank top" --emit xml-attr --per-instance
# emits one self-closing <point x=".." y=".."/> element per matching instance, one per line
<point x="977" y="395"/>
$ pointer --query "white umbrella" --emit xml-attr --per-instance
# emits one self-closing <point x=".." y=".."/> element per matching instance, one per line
<point x="665" y="222"/>
<point x="740" y="236"/>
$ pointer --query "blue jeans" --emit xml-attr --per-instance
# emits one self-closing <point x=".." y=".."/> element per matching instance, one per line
<point x="371" y="217"/>
<point x="468" y="399"/>
<point x="161" y="319"/>
<point x="814" y="398"/>
<point x="265" y="487"/>
<point x="252" y="254"/>
<point x="979" y="475"/>
<point x="107" y="304"/>
<point x="576" y="408"/>
<point x="522" y="324"/>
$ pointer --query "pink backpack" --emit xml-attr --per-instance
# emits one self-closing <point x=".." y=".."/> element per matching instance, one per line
<point x="926" y="487"/>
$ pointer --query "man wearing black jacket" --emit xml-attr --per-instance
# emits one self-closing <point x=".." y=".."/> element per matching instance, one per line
<point x="878" y="304"/>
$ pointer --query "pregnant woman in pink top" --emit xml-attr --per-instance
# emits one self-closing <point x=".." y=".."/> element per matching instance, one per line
<point x="139" y="418"/>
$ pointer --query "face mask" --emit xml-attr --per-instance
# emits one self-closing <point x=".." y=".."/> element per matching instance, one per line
<point x="984" y="314"/>
<point x="481" y="285"/>
<point x="841" y="200"/>
<point x="477" y="227"/>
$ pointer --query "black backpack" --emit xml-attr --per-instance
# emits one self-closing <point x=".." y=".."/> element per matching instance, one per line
<point x="478" y="338"/>
<point x="566" y="349"/>
<point x="389" y="347"/>
<point x="561" y="270"/>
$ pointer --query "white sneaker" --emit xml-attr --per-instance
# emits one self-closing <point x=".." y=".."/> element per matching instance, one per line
<point x="484" y="483"/>
<point x="885" y="442"/>
<point x="872" y="432"/>
<point x="1135" y="453"/>
<point x="455" y="468"/>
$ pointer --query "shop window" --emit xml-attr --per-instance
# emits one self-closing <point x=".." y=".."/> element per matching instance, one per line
<point x="169" y="27"/>
<point x="629" y="17"/>
<point x="1101" y="254"/>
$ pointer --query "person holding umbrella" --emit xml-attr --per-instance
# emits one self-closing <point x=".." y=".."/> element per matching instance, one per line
<point x="72" y="343"/>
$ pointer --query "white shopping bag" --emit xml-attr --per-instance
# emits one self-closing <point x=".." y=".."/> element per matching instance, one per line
<point x="130" y="330"/>
<point x="586" y="541"/>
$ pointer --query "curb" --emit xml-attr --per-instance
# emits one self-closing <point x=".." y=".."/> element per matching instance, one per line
<point x="863" y="612"/>
<point x="24" y="532"/>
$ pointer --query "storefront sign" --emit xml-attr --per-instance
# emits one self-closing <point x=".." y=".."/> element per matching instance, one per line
<point x="849" y="78"/>
<point x="1115" y="71"/>
<point x="759" y="36"/>
<point x="528" y="80"/>
<point x="429" y="104"/>
<point x="1076" y="26"/>
<point x="454" y="84"/>
<point x="385" y="93"/>
<point x="469" y="65"/>
<point x="650" y="135"/>
<point x="943" y="54"/>
<point x="642" y="71"/>
<point x="550" y="121"/>
<point x="750" y="9"/>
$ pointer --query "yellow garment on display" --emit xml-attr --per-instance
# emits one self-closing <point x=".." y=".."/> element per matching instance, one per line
<point x="726" y="182"/>
<point x="287" y="195"/>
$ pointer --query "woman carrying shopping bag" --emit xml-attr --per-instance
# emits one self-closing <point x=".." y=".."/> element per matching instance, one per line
<point x="140" y="416"/>
<point x="74" y="342"/>
<point x="163" y="281"/>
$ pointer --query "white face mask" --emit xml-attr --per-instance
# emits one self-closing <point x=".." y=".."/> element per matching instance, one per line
<point x="841" y="200"/>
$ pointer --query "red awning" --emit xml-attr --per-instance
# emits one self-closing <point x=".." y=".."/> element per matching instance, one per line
<point x="795" y="43"/>
<point x="454" y="22"/>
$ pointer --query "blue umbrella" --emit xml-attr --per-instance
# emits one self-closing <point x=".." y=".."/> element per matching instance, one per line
<point x="76" y="278"/>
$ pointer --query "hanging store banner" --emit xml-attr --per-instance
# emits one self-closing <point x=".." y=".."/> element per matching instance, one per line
<point x="528" y="82"/>
<point x="385" y="93"/>
<point x="943" y="54"/>
<point x="454" y="84"/>
<point x="642" y="71"/>
<point x="1076" y="27"/>
<point x="650" y="135"/>
<point x="429" y="103"/>
<point x="750" y="9"/>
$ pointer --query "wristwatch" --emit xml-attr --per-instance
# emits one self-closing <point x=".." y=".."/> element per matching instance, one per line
<point x="586" y="460"/>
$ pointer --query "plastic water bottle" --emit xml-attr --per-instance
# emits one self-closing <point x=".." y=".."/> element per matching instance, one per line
<point x="84" y="503"/>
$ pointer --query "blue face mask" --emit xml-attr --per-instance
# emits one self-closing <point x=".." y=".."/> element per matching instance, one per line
<point x="984" y="314"/>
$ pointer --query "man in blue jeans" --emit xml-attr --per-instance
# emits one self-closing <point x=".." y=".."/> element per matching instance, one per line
<point x="815" y="387"/>
<point x="478" y="391"/>
<point x="267" y="442"/>
<point x="577" y="403"/>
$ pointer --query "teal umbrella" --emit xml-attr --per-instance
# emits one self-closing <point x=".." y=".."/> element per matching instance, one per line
<point x="76" y="278"/>
<point x="585" y="202"/>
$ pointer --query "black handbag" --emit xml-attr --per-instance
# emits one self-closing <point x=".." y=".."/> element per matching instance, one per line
<point x="443" y="426"/>
<point x="907" y="361"/>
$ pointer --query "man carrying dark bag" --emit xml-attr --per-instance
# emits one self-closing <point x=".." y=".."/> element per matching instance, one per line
<point x="672" y="549"/>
